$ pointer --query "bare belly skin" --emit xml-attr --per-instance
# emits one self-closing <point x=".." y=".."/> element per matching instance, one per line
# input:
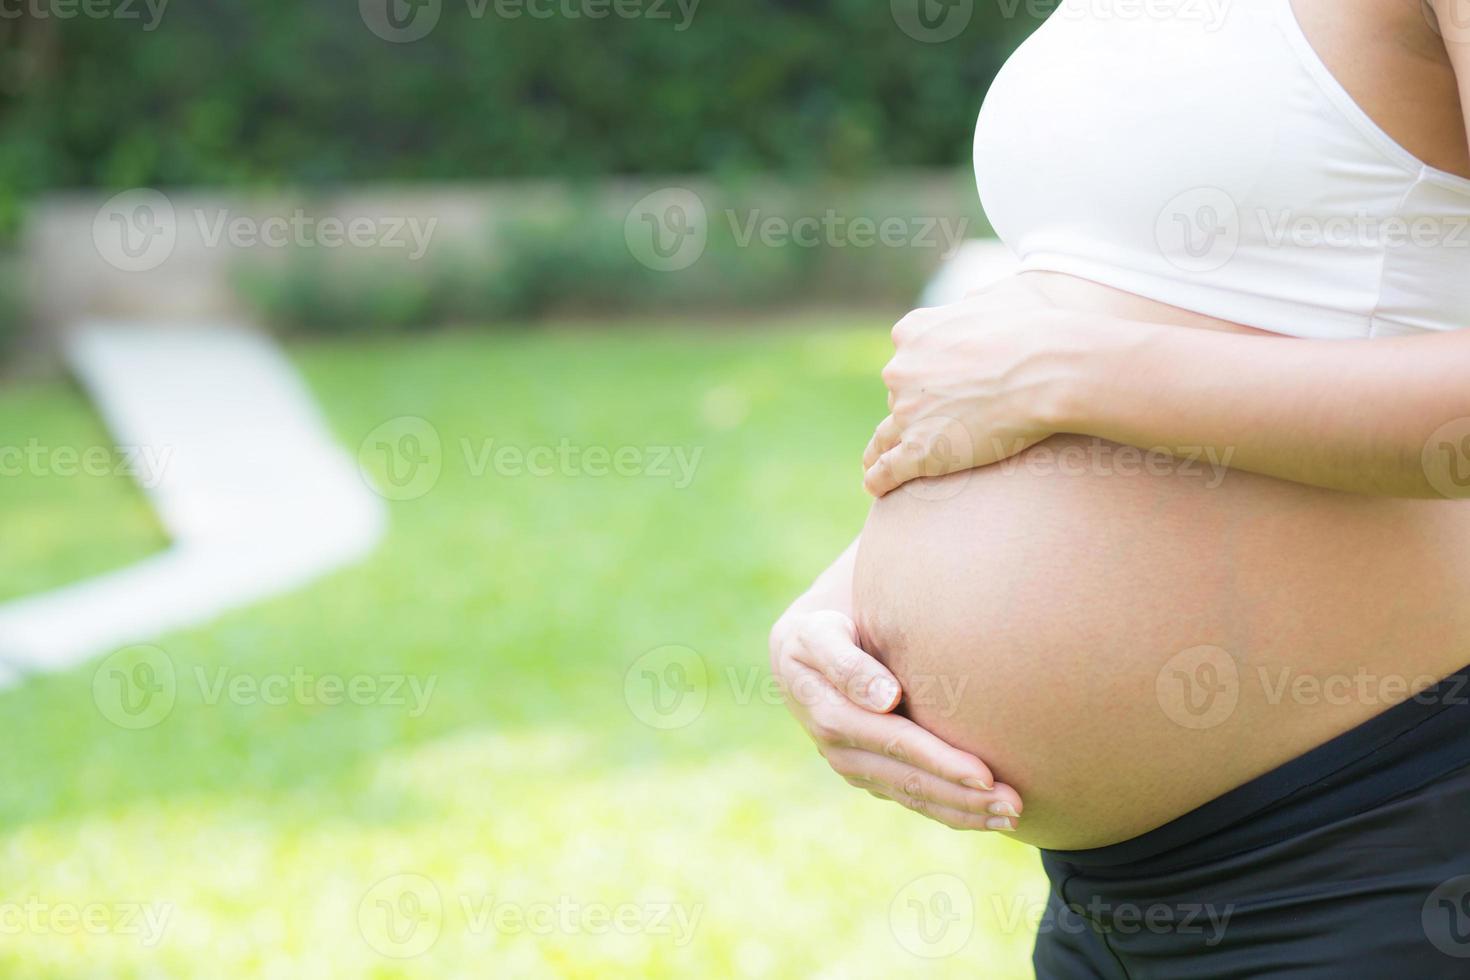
<point x="1124" y="637"/>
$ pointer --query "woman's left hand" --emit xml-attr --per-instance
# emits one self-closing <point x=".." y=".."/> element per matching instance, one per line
<point x="969" y="385"/>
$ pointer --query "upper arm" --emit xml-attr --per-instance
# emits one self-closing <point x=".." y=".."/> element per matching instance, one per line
<point x="1453" y="18"/>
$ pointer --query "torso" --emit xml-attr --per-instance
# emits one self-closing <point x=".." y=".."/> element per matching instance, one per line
<point x="1122" y="640"/>
<point x="1041" y="613"/>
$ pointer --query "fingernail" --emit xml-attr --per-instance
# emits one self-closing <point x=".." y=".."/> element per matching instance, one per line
<point x="975" y="782"/>
<point x="999" y="823"/>
<point x="1002" y="809"/>
<point x="882" y="692"/>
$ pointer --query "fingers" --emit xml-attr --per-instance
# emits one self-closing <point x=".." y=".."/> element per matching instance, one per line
<point x="954" y="819"/>
<point x="827" y="643"/>
<point x="957" y="806"/>
<point x="843" y="725"/>
<point x="885" y="437"/>
<point x="897" y="465"/>
<point x="829" y="679"/>
<point x="912" y="324"/>
<point x="930" y="447"/>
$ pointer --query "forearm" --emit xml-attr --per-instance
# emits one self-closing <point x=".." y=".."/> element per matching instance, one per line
<point x="1384" y="417"/>
<point x="831" y="590"/>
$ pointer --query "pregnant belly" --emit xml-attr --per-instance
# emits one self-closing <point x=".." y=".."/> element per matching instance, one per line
<point x="1124" y="636"/>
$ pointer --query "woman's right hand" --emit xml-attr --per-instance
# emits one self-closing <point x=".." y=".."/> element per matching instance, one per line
<point x="844" y="698"/>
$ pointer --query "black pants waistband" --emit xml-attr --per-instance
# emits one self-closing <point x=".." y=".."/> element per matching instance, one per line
<point x="1396" y="752"/>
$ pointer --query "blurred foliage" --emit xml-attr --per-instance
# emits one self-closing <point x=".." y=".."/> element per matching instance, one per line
<point x="278" y="92"/>
<point x="570" y="255"/>
<point x="12" y="304"/>
<point x="559" y="262"/>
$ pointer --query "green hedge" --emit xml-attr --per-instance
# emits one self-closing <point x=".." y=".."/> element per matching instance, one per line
<point x="570" y="255"/>
<point x="277" y="92"/>
<point x="12" y="305"/>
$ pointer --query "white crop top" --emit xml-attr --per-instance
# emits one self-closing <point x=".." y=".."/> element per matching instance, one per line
<point x="1200" y="154"/>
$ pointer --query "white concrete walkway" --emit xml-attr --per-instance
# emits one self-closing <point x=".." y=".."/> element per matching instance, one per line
<point x="254" y="492"/>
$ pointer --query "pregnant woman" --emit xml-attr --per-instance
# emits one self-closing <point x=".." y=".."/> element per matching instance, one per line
<point x="1167" y="575"/>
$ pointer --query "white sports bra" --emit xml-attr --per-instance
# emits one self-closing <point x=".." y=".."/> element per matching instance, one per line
<point x="1200" y="154"/>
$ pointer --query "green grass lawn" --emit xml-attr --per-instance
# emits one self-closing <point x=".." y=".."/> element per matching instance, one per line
<point x="544" y="809"/>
